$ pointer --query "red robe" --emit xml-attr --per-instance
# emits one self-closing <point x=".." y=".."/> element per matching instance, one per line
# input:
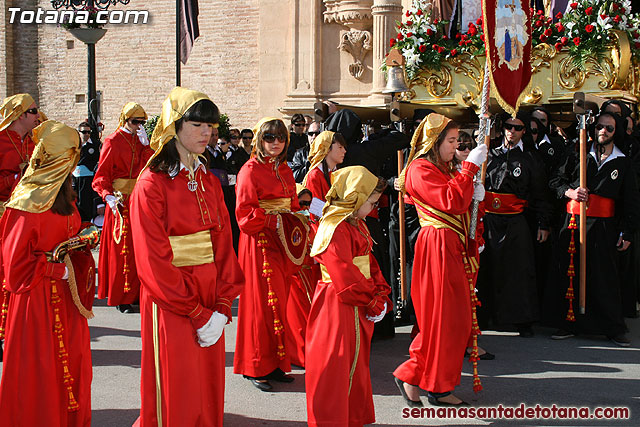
<point x="317" y="184"/>
<point x="331" y="332"/>
<point x="122" y="156"/>
<point x="192" y="377"/>
<point x="256" y="340"/>
<point x="13" y="152"/>
<point x="33" y="390"/>
<point x="440" y="289"/>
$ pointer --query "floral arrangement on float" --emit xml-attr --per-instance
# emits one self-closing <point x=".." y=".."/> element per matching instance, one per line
<point x="585" y="31"/>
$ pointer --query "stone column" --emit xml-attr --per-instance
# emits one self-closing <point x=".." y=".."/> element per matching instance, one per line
<point x="385" y="14"/>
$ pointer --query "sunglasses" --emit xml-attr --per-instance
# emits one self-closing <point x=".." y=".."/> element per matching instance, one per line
<point x="271" y="137"/>
<point x="609" y="128"/>
<point x="32" y="111"/>
<point x="223" y="143"/>
<point x="517" y="128"/>
<point x="310" y="133"/>
<point x="534" y="131"/>
<point x="305" y="203"/>
<point x="85" y="132"/>
<point x="247" y="137"/>
<point x="234" y="137"/>
<point x="299" y="124"/>
<point x="138" y="122"/>
<point x="466" y="146"/>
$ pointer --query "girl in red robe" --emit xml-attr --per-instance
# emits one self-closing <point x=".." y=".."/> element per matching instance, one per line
<point x="325" y="154"/>
<point x="46" y="375"/>
<point x="349" y="298"/>
<point x="265" y="187"/>
<point x="443" y="289"/>
<point x="123" y="155"/>
<point x="188" y="269"/>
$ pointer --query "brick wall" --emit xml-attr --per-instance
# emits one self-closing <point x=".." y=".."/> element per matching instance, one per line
<point x="137" y="62"/>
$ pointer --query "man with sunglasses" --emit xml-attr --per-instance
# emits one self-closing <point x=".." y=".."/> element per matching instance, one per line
<point x="19" y="115"/>
<point x="297" y="138"/>
<point x="84" y="172"/>
<point x="124" y="154"/>
<point x="613" y="206"/>
<point x="515" y="183"/>
<point x="243" y="153"/>
<point x="300" y="163"/>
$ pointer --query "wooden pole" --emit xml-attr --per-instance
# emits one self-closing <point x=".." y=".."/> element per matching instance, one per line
<point x="403" y="248"/>
<point x="583" y="213"/>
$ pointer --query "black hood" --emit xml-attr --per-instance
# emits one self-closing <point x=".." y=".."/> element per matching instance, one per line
<point x="347" y="123"/>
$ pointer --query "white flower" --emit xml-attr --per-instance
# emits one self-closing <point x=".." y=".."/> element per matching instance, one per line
<point x="604" y="23"/>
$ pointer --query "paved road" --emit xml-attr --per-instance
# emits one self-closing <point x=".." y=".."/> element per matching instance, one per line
<point x="585" y="371"/>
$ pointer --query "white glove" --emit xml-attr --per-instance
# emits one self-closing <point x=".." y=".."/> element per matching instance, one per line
<point x="66" y="273"/>
<point x="142" y="136"/>
<point x="478" y="192"/>
<point x="379" y="317"/>
<point x="111" y="200"/>
<point x="480" y="249"/>
<point x="210" y="333"/>
<point x="478" y="155"/>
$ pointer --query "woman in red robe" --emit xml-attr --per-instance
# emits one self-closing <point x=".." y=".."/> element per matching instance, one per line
<point x="349" y="298"/>
<point x="265" y="187"/>
<point x="188" y="269"/>
<point x="443" y="289"/>
<point x="123" y="155"/>
<point x="46" y="375"/>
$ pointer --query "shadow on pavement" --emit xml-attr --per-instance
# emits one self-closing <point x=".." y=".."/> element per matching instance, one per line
<point x="129" y="358"/>
<point x="114" y="417"/>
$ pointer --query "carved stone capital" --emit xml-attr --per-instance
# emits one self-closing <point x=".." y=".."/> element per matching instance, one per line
<point x="352" y="13"/>
<point x="357" y="43"/>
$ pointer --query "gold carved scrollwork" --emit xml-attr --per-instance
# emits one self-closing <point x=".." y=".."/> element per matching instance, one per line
<point x="534" y="96"/>
<point x="541" y="56"/>
<point x="572" y="77"/>
<point x="437" y="82"/>
<point x="470" y="67"/>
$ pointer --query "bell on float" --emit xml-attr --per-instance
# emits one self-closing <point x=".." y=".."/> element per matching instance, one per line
<point x="396" y="82"/>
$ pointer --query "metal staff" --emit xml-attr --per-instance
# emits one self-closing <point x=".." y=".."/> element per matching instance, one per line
<point x="582" y="125"/>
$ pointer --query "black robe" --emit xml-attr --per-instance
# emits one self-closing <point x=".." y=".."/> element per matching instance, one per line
<point x="507" y="277"/>
<point x="614" y="179"/>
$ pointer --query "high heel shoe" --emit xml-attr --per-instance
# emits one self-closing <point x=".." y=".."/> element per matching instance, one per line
<point x="410" y="403"/>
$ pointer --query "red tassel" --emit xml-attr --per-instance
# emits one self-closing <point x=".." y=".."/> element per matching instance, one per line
<point x="272" y="298"/>
<point x="571" y="271"/>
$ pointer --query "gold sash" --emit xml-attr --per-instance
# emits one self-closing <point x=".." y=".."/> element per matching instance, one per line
<point x="192" y="249"/>
<point x="124" y="185"/>
<point x="362" y="262"/>
<point x="2" y="208"/>
<point x="276" y="205"/>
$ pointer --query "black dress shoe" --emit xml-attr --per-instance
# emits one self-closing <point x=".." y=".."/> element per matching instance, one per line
<point x="262" y="385"/>
<point x="435" y="401"/>
<point x="485" y="356"/>
<point x="410" y="403"/>
<point x="125" y="308"/>
<point x="279" y="376"/>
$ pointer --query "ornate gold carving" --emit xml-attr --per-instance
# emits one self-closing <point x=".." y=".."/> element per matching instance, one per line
<point x="437" y="82"/>
<point x="571" y="77"/>
<point x="408" y="95"/>
<point x="469" y="66"/>
<point x="357" y="43"/>
<point x="534" y="96"/>
<point x="541" y="56"/>
<point x="621" y="58"/>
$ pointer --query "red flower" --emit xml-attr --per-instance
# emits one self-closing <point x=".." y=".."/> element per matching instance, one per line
<point x="540" y="12"/>
<point x="538" y="24"/>
<point x="435" y="21"/>
<point x="440" y="49"/>
<point x="548" y="32"/>
<point x="482" y="38"/>
<point x="623" y="10"/>
<point x="454" y="52"/>
<point x="543" y="38"/>
<point x="549" y="20"/>
<point x="409" y="34"/>
<point x="604" y="16"/>
<point x="558" y="46"/>
<point x="564" y="40"/>
<point x="617" y="19"/>
<point x="392" y="42"/>
<point x="434" y="46"/>
<point x="637" y="45"/>
<point x="429" y="32"/>
<point x="559" y="15"/>
<point x="589" y="28"/>
<point x="636" y="34"/>
<point x="408" y="14"/>
<point x="445" y="37"/>
<point x="409" y="23"/>
<point x="464" y="36"/>
<point x="472" y="30"/>
<point x="462" y="43"/>
<point x="422" y="48"/>
<point x="574" y="6"/>
<point x="589" y="10"/>
<point x="576" y="41"/>
<point x="615" y="6"/>
<point x="400" y="36"/>
<point x="479" y="21"/>
<point x="419" y="12"/>
<point x="559" y="27"/>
